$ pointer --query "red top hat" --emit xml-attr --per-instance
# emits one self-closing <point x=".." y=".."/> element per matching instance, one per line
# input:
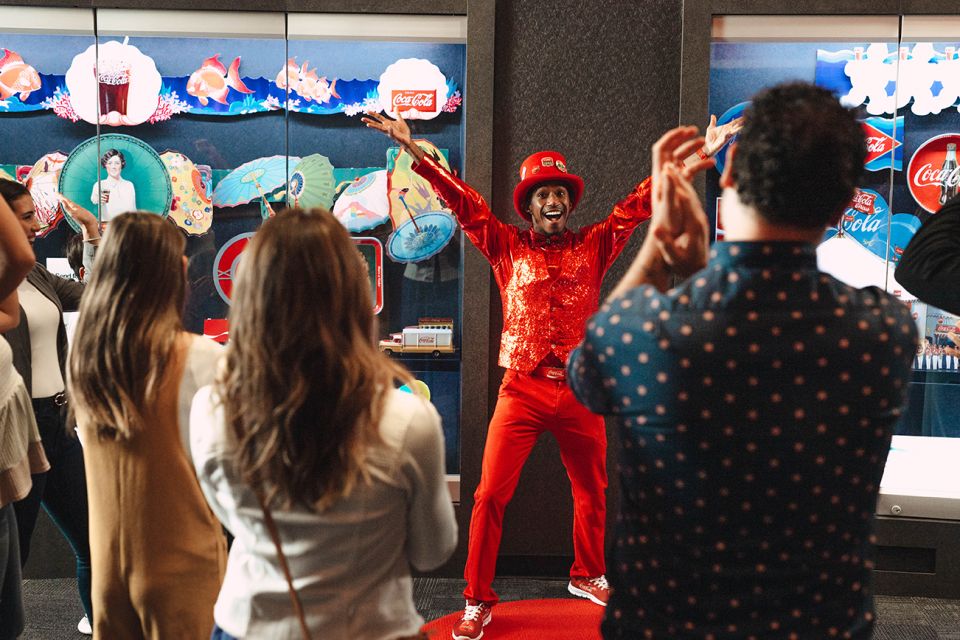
<point x="545" y="166"/>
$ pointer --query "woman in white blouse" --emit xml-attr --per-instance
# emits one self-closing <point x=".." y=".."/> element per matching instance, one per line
<point x="306" y="417"/>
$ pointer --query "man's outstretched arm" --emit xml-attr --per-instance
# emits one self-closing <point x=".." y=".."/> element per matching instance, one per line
<point x="485" y="230"/>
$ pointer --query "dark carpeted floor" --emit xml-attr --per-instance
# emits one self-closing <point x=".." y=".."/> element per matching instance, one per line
<point x="53" y="609"/>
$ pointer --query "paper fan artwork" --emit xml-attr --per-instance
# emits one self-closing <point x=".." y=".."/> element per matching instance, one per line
<point x="43" y="181"/>
<point x="364" y="203"/>
<point x="191" y="209"/>
<point x="311" y="183"/>
<point x="254" y="179"/>
<point x="142" y="184"/>
<point x="6" y="176"/>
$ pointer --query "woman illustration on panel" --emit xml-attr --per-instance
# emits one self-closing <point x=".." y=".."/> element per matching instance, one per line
<point x="114" y="194"/>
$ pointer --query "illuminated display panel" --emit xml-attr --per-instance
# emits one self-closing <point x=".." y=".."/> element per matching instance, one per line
<point x="213" y="119"/>
<point x="910" y="117"/>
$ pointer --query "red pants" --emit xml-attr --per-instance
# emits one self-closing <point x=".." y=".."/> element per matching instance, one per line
<point x="527" y="406"/>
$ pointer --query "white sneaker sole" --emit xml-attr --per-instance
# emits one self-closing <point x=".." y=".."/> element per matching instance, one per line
<point x="486" y="621"/>
<point x="584" y="594"/>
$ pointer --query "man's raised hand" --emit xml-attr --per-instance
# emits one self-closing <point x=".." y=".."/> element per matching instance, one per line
<point x="397" y="130"/>
<point x="716" y="136"/>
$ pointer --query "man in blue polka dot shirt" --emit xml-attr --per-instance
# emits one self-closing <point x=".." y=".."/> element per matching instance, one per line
<point x="756" y="400"/>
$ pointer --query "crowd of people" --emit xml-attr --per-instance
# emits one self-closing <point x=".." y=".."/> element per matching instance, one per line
<point x="754" y="398"/>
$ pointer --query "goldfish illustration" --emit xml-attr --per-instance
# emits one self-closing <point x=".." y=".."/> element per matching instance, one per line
<point x="213" y="80"/>
<point x="289" y="76"/>
<point x="305" y="81"/>
<point x="16" y="76"/>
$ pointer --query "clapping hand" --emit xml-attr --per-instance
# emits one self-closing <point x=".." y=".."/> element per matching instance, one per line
<point x="683" y="245"/>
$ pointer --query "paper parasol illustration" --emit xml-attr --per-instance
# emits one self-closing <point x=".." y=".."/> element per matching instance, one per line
<point x="254" y="179"/>
<point x="421" y="237"/>
<point x="364" y="203"/>
<point x="43" y="182"/>
<point x="143" y="176"/>
<point x="421" y="228"/>
<point x="311" y="183"/>
<point x="192" y="209"/>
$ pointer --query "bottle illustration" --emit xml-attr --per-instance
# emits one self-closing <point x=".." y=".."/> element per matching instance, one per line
<point x="949" y="175"/>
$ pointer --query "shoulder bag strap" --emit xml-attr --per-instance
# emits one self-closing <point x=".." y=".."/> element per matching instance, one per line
<point x="294" y="598"/>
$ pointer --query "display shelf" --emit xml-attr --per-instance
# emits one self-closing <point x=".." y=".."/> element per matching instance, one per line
<point x="921" y="479"/>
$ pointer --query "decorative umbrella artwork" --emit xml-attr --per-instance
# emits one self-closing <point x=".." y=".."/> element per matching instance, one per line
<point x="6" y="176"/>
<point x="364" y="203"/>
<point x="192" y="208"/>
<point x="421" y="227"/>
<point x="312" y="183"/>
<point x="143" y="179"/>
<point x="421" y="237"/>
<point x="254" y="179"/>
<point x="43" y="181"/>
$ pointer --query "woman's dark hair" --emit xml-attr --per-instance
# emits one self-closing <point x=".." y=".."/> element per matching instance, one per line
<point x="111" y="153"/>
<point x="11" y="190"/>
<point x="799" y="155"/>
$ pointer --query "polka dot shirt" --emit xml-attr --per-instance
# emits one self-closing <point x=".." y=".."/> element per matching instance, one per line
<point x="755" y="405"/>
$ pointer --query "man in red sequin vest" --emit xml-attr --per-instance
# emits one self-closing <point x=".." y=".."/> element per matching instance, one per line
<point x="549" y="279"/>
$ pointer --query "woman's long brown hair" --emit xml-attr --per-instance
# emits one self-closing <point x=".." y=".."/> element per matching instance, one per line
<point x="304" y="384"/>
<point x="130" y="317"/>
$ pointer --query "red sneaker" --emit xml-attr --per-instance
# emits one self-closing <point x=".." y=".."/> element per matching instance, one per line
<point x="476" y="615"/>
<point x="595" y="590"/>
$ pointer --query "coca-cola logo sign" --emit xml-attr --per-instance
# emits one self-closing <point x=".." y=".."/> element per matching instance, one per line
<point x="414" y="88"/>
<point x="877" y="145"/>
<point x="863" y="201"/>
<point x="884" y="143"/>
<point x="865" y="220"/>
<point x="933" y="175"/>
<point x="404" y="100"/>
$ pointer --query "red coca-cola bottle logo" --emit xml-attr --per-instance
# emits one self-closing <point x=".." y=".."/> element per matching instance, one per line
<point x="930" y="173"/>
<point x="413" y="99"/>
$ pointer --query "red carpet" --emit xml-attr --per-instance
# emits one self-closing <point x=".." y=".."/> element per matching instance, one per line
<point x="556" y="619"/>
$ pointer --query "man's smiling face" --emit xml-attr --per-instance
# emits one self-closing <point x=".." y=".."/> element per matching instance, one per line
<point x="549" y="207"/>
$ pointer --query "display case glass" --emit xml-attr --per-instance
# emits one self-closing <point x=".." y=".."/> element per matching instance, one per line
<point x="899" y="74"/>
<point x="216" y="120"/>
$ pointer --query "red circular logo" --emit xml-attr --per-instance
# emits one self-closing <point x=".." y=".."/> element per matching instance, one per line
<point x="225" y="264"/>
<point x="933" y="175"/>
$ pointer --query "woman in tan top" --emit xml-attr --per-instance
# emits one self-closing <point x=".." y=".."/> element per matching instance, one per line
<point x="158" y="553"/>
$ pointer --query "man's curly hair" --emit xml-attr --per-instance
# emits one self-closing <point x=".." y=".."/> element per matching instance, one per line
<point x="799" y="156"/>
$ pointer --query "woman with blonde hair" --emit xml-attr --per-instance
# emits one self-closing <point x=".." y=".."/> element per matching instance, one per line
<point x="305" y="439"/>
<point x="158" y="552"/>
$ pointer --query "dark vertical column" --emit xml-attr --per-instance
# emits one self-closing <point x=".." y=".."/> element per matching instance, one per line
<point x="598" y="82"/>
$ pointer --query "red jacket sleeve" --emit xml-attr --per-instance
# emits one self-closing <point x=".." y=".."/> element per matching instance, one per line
<point x="611" y="235"/>
<point x="485" y="230"/>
